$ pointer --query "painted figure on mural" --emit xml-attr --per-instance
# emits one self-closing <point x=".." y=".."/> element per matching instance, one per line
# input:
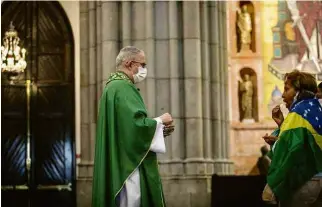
<point x="301" y="37"/>
<point x="244" y="24"/>
<point x="246" y="90"/>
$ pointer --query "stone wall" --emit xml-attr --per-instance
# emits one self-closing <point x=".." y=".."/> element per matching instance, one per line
<point x="246" y="138"/>
<point x="186" y="51"/>
<point x="246" y="141"/>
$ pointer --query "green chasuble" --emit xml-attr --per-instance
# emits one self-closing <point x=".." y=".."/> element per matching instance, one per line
<point x="123" y="139"/>
<point x="297" y="156"/>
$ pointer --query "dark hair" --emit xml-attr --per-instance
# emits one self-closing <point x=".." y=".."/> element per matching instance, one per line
<point x="303" y="82"/>
<point x="320" y="86"/>
<point x="264" y="150"/>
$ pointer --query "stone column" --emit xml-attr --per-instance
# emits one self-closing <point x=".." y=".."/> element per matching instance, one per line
<point x="206" y="84"/>
<point x="84" y="85"/>
<point x="219" y="89"/>
<point x="150" y="52"/>
<point x="87" y="68"/>
<point x="193" y="88"/>
<point x="99" y="47"/>
<point x="221" y="77"/>
<point x="215" y="85"/>
<point x="162" y="73"/>
<point x="229" y="163"/>
<point x="92" y="79"/>
<point x="110" y="37"/>
<point x="138" y="35"/>
<point x="185" y="46"/>
<point x="221" y="160"/>
<point x="177" y="138"/>
<point x="99" y="65"/>
<point x="126" y="23"/>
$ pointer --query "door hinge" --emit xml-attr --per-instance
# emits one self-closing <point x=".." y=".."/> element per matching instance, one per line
<point x="14" y="187"/>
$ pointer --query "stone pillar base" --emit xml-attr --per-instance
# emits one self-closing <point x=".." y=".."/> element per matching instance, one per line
<point x="224" y="167"/>
<point x="187" y="191"/>
<point x="84" y="192"/>
<point x="179" y="190"/>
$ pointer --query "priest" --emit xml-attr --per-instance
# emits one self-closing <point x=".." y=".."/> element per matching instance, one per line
<point x="127" y="141"/>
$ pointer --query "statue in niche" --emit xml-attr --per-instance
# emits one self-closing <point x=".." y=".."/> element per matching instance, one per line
<point x="246" y="89"/>
<point x="244" y="24"/>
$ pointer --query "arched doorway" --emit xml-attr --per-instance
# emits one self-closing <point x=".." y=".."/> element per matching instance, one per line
<point x="38" y="118"/>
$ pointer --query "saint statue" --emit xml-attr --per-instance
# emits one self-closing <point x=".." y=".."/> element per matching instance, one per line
<point x="246" y="90"/>
<point x="244" y="24"/>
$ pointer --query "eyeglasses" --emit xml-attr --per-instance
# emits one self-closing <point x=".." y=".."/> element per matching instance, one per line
<point x="142" y="64"/>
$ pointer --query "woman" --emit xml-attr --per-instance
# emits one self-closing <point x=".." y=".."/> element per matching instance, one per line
<point x="294" y="176"/>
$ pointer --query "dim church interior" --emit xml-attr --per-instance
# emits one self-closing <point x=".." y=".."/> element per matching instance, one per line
<point x="205" y="65"/>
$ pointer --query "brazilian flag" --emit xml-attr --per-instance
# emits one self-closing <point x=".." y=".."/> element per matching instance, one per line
<point x="297" y="156"/>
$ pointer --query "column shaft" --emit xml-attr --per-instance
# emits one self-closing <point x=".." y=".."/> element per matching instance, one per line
<point x="110" y="37"/>
<point x="150" y="52"/>
<point x="99" y="65"/>
<point x="193" y="87"/>
<point x="138" y="36"/>
<point x="92" y="78"/>
<point x="177" y="141"/>
<point x="84" y="44"/>
<point x="162" y="72"/>
<point x="225" y="49"/>
<point x="206" y="84"/>
<point x="215" y="82"/>
<point x="126" y="23"/>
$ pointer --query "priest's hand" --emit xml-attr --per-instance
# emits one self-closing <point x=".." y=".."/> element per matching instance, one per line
<point x="166" y="119"/>
<point x="167" y="130"/>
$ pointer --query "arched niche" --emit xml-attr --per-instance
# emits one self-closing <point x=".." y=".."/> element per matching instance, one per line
<point x="248" y="95"/>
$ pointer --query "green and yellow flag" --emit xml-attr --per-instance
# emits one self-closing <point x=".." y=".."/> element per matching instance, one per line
<point x="297" y="155"/>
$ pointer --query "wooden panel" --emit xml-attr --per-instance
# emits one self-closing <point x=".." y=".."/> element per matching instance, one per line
<point x="45" y="32"/>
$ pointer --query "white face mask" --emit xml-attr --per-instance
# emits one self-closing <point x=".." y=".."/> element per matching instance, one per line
<point x="141" y="75"/>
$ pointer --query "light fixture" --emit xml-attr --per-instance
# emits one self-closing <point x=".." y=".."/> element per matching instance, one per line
<point x="12" y="56"/>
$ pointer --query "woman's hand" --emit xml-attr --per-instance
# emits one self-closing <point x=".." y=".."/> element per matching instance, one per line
<point x="269" y="139"/>
<point x="277" y="115"/>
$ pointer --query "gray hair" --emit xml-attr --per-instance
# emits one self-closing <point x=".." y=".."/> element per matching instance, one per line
<point x="126" y="53"/>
